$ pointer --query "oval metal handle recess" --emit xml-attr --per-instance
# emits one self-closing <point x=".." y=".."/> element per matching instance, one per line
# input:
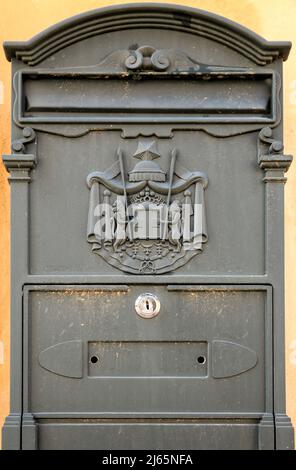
<point x="147" y="305"/>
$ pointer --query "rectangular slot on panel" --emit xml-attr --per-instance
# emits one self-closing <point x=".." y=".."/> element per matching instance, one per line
<point x="49" y="98"/>
<point x="147" y="359"/>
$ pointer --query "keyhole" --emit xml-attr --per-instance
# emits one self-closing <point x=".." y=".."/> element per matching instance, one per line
<point x="147" y="305"/>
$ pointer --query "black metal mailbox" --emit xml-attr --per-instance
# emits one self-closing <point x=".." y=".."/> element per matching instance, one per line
<point x="147" y="251"/>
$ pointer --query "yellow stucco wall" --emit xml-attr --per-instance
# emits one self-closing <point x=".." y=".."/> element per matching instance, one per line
<point x="272" y="19"/>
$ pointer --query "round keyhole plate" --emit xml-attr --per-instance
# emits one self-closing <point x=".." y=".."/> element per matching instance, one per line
<point x="147" y="305"/>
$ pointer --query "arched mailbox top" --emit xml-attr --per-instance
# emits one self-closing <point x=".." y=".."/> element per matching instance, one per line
<point x="147" y="15"/>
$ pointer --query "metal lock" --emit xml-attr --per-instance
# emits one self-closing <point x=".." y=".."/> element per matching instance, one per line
<point x="147" y="305"/>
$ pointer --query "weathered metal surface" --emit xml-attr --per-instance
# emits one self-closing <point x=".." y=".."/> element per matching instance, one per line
<point x="149" y="134"/>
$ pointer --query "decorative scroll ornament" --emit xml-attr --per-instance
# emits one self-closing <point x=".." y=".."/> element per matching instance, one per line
<point x="29" y="136"/>
<point x="147" y="58"/>
<point x="147" y="221"/>
<point x="271" y="157"/>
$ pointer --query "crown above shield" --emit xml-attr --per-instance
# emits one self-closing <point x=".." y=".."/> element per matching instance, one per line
<point x="146" y="169"/>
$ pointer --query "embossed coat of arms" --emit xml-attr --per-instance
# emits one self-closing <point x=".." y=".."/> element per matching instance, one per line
<point x="147" y="221"/>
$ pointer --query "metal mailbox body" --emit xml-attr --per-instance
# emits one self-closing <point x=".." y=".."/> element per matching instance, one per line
<point x="147" y="192"/>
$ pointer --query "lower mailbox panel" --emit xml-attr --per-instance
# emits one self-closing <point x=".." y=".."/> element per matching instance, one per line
<point x="193" y="376"/>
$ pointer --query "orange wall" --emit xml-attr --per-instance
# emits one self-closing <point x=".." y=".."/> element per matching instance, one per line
<point x="272" y="19"/>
